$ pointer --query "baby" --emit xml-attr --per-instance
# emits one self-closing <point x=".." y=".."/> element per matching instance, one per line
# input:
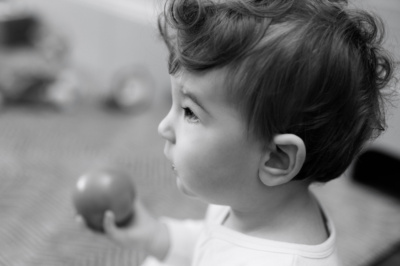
<point x="269" y="97"/>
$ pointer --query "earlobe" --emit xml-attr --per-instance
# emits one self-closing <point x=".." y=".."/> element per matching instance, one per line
<point x="283" y="160"/>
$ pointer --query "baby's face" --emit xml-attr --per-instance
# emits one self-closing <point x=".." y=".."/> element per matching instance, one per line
<point x="213" y="156"/>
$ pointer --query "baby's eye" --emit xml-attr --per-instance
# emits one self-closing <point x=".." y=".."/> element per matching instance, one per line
<point x="189" y="115"/>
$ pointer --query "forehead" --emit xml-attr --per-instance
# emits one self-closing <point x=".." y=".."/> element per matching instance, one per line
<point x="208" y="85"/>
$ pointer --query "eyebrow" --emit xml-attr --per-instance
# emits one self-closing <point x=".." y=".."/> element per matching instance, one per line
<point x="193" y="98"/>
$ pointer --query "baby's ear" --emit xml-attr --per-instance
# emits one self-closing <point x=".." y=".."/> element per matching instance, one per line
<point x="283" y="160"/>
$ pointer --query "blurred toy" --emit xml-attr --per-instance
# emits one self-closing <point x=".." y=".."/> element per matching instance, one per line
<point x="63" y="92"/>
<point x="33" y="61"/>
<point x="132" y="89"/>
<point x="102" y="190"/>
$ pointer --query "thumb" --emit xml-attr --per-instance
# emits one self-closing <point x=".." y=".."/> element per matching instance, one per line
<point x="109" y="224"/>
<point x="115" y="233"/>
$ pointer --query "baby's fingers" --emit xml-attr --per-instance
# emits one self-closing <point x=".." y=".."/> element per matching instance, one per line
<point x="111" y="229"/>
<point x="124" y="236"/>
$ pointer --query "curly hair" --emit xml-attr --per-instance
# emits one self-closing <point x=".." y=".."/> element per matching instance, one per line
<point x="313" y="68"/>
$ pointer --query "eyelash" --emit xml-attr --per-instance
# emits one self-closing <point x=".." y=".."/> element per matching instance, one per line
<point x="189" y="115"/>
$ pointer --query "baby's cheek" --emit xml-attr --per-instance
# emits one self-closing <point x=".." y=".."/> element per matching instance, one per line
<point x="207" y="157"/>
<point x="194" y="164"/>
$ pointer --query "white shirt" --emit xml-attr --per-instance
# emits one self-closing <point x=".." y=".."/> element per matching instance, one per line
<point x="209" y="243"/>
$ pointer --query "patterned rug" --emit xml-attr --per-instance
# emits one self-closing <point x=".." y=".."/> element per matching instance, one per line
<point x="43" y="153"/>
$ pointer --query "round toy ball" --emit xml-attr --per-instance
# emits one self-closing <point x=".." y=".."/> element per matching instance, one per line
<point x="132" y="89"/>
<point x="102" y="190"/>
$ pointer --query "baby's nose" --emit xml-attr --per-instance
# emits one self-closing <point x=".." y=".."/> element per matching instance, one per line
<point x="165" y="128"/>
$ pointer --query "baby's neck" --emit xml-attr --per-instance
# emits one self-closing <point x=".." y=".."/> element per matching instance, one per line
<point x="289" y="217"/>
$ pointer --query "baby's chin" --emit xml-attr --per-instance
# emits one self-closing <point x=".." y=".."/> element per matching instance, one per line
<point x="184" y="190"/>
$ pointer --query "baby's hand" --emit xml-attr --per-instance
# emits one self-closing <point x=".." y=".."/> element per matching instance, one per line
<point x="144" y="232"/>
<point x="136" y="233"/>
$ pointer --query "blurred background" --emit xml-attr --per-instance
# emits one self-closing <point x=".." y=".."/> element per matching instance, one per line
<point x="84" y="84"/>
